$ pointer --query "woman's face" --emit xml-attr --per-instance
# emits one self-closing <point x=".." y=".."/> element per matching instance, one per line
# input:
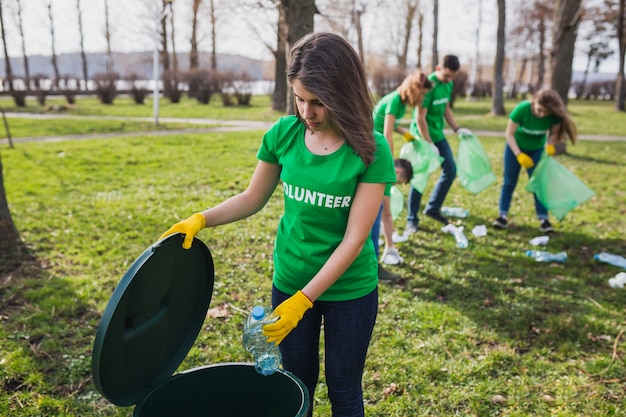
<point x="312" y="111"/>
<point x="539" y="110"/>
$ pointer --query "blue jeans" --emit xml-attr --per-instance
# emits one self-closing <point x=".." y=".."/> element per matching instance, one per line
<point x="511" y="175"/>
<point x="375" y="234"/>
<point x="448" y="172"/>
<point x="348" y="327"/>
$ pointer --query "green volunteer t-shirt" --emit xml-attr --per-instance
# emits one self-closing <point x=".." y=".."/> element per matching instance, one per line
<point x="390" y="104"/>
<point x="531" y="132"/>
<point x="318" y="192"/>
<point x="435" y="101"/>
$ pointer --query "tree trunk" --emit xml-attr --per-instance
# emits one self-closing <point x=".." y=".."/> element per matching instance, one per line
<point x="420" y="38"/>
<point x="55" y="66"/>
<point x="21" y="28"/>
<point x="279" y="98"/>
<point x="9" y="233"/>
<point x="435" y="34"/>
<point x="7" y="61"/>
<point x="213" y="37"/>
<point x="498" y="85"/>
<point x="165" y="54"/>
<point x="299" y="21"/>
<point x="620" y="86"/>
<point x="107" y="36"/>
<point x="193" y="52"/>
<point x="567" y="15"/>
<point x="82" y="42"/>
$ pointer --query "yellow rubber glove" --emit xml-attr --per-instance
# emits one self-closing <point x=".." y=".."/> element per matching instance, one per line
<point x="189" y="227"/>
<point x="525" y="160"/>
<point x="290" y="312"/>
<point x="408" y="136"/>
<point x="550" y="149"/>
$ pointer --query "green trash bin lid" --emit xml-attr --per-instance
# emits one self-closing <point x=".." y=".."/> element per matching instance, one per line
<point x="152" y="319"/>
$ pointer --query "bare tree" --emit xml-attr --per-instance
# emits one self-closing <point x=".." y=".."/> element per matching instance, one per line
<point x="435" y="60"/>
<point x="213" y="15"/>
<point x="107" y="36"/>
<point x="530" y="35"/>
<point x="10" y="240"/>
<point x="55" y="66"/>
<point x="411" y="8"/>
<point x="7" y="61"/>
<point x="620" y="87"/>
<point x="567" y="16"/>
<point x="298" y="21"/>
<point x="475" y="75"/>
<point x="20" y="25"/>
<point x="497" y="107"/>
<point x="82" y="43"/>
<point x="193" y="52"/>
<point x="165" y="55"/>
<point x="420" y="36"/>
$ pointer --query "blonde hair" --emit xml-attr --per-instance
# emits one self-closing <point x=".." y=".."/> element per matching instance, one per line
<point x="414" y="87"/>
<point x="552" y="102"/>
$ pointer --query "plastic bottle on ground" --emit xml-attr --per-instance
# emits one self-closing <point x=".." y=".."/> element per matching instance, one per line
<point x="457" y="232"/>
<point x="267" y="357"/>
<point x="618" y="281"/>
<point x="544" y="256"/>
<point x="609" y="258"/>
<point x="454" y="212"/>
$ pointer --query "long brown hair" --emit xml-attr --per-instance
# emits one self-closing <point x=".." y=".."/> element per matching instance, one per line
<point x="414" y="87"/>
<point x="329" y="67"/>
<point x="552" y="101"/>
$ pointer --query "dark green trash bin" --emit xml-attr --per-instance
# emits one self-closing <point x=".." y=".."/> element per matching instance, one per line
<point x="147" y="329"/>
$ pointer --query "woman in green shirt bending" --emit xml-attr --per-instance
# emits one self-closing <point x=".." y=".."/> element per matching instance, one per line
<point x="526" y="136"/>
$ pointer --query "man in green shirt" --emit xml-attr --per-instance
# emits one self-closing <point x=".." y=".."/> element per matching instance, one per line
<point x="428" y="123"/>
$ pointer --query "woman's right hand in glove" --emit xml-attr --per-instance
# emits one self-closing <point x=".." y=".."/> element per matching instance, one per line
<point x="189" y="227"/>
<point x="525" y="160"/>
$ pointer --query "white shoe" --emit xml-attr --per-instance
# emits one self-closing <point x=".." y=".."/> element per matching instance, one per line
<point x="400" y="238"/>
<point x="392" y="257"/>
<point x="410" y="229"/>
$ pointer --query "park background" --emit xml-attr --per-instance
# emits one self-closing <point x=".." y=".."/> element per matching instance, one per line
<point x="476" y="332"/>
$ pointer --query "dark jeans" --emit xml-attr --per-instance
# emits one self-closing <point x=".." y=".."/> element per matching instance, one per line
<point x="375" y="234"/>
<point x="448" y="172"/>
<point x="348" y="327"/>
<point x="511" y="174"/>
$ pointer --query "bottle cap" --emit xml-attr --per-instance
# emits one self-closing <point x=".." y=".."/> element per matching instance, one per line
<point x="258" y="312"/>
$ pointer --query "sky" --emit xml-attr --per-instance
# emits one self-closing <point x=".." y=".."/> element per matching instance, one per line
<point x="133" y="28"/>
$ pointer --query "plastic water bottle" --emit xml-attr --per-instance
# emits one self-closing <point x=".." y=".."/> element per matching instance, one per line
<point x="454" y="212"/>
<point x="457" y="232"/>
<point x="618" y="281"/>
<point x="543" y="256"/>
<point x="609" y="258"/>
<point x="267" y="357"/>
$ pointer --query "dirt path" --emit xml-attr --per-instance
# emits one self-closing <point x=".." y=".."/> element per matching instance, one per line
<point x="213" y="125"/>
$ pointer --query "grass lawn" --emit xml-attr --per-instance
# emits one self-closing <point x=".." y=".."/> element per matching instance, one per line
<point x="481" y="331"/>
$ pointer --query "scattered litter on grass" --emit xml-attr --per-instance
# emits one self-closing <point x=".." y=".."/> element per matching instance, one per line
<point x="539" y="240"/>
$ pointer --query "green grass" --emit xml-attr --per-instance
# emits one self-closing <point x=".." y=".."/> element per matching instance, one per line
<point x="259" y="108"/>
<point x="23" y="127"/>
<point x="477" y="332"/>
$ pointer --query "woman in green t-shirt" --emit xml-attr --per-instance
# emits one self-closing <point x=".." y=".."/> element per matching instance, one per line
<point x="387" y="115"/>
<point x="333" y="169"/>
<point x="526" y="138"/>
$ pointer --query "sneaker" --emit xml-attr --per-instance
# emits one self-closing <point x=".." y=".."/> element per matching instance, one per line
<point x="500" y="223"/>
<point x="546" y="227"/>
<point x="391" y="257"/>
<point x="384" y="275"/>
<point x="437" y="216"/>
<point x="397" y="238"/>
<point x="410" y="229"/>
